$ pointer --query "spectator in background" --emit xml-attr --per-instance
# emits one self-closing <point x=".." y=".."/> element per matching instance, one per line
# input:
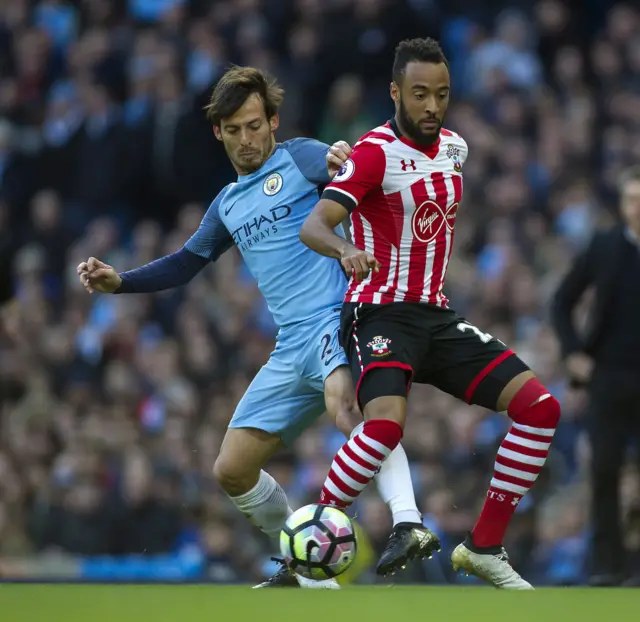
<point x="345" y="118"/>
<point x="607" y="360"/>
<point x="506" y="59"/>
<point x="14" y="173"/>
<point x="7" y="250"/>
<point x="106" y="164"/>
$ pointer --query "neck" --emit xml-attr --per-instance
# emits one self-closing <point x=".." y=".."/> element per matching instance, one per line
<point x="400" y="126"/>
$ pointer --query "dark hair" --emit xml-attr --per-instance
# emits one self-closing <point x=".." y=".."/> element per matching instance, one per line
<point x="422" y="50"/>
<point x="236" y="86"/>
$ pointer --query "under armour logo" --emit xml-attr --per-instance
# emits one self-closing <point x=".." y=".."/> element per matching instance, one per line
<point x="515" y="501"/>
<point x="409" y="165"/>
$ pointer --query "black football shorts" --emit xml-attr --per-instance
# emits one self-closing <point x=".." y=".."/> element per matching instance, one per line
<point x="431" y="345"/>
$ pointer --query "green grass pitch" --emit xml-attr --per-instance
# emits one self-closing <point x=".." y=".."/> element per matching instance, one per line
<point x="162" y="603"/>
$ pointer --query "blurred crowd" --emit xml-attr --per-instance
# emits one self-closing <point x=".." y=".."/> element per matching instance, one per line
<point x="113" y="408"/>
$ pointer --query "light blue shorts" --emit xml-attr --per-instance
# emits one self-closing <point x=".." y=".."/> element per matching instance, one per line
<point x="287" y="394"/>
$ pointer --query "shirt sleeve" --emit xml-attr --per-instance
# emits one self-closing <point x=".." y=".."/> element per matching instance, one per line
<point x="359" y="175"/>
<point x="309" y="156"/>
<point x="174" y="270"/>
<point x="212" y="237"/>
<point x="464" y="151"/>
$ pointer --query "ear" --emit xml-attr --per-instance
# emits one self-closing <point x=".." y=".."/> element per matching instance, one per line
<point x="217" y="133"/>
<point x="394" y="91"/>
<point x="274" y="122"/>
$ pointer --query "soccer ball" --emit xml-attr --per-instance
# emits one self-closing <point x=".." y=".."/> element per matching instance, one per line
<point x="318" y="542"/>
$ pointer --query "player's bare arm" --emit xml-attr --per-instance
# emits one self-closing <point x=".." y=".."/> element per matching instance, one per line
<point x="318" y="233"/>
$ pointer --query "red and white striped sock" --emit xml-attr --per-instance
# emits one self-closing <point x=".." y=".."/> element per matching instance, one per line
<point x="358" y="461"/>
<point x="520" y="459"/>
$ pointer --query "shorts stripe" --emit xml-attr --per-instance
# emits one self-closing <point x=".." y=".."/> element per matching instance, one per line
<point x="471" y="389"/>
<point x="381" y="365"/>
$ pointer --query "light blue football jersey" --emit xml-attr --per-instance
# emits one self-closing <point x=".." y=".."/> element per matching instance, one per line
<point x="262" y="214"/>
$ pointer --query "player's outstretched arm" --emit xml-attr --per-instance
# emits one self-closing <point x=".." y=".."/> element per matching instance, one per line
<point x="167" y="272"/>
<point x="318" y="233"/>
<point x="205" y="245"/>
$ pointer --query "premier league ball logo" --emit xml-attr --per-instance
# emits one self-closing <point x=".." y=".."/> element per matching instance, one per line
<point x="346" y="171"/>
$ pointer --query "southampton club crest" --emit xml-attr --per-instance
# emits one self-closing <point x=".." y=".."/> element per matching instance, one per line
<point x="453" y="153"/>
<point x="272" y="184"/>
<point x="379" y="346"/>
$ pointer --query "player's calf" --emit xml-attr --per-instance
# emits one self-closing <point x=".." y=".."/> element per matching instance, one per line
<point x="358" y="461"/>
<point x="382" y="394"/>
<point x="373" y="449"/>
<point x="523" y="452"/>
<point x="238" y="470"/>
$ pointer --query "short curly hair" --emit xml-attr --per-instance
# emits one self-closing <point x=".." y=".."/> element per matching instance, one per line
<point x="411" y="50"/>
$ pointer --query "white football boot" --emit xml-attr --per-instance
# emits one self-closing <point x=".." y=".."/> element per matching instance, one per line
<point x="310" y="584"/>
<point x="490" y="564"/>
<point x="285" y="577"/>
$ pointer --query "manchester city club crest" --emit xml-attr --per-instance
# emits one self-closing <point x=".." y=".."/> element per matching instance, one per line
<point x="379" y="346"/>
<point x="272" y="184"/>
<point x="453" y="153"/>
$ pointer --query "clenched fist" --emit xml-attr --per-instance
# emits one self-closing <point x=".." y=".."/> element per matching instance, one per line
<point x="97" y="276"/>
<point x="337" y="155"/>
<point x="358" y="264"/>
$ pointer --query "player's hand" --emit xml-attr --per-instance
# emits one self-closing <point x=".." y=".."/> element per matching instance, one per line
<point x="337" y="155"/>
<point x="97" y="276"/>
<point x="358" y="264"/>
<point x="580" y="366"/>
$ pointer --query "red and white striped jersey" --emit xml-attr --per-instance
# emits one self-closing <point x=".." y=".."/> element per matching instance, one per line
<point x="403" y="199"/>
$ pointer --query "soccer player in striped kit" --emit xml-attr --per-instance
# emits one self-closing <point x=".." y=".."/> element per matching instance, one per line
<point x="402" y="188"/>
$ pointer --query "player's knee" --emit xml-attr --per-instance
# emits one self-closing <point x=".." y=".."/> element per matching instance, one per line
<point x="348" y="416"/>
<point x="533" y="405"/>
<point x="233" y="478"/>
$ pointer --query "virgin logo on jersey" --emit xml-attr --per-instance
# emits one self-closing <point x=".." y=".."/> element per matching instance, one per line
<point x="260" y="227"/>
<point x="429" y="218"/>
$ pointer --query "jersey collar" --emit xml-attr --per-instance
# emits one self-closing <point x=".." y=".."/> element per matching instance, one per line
<point x="430" y="151"/>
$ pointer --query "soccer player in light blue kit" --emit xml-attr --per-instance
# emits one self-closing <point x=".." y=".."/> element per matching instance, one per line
<point x="261" y="214"/>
